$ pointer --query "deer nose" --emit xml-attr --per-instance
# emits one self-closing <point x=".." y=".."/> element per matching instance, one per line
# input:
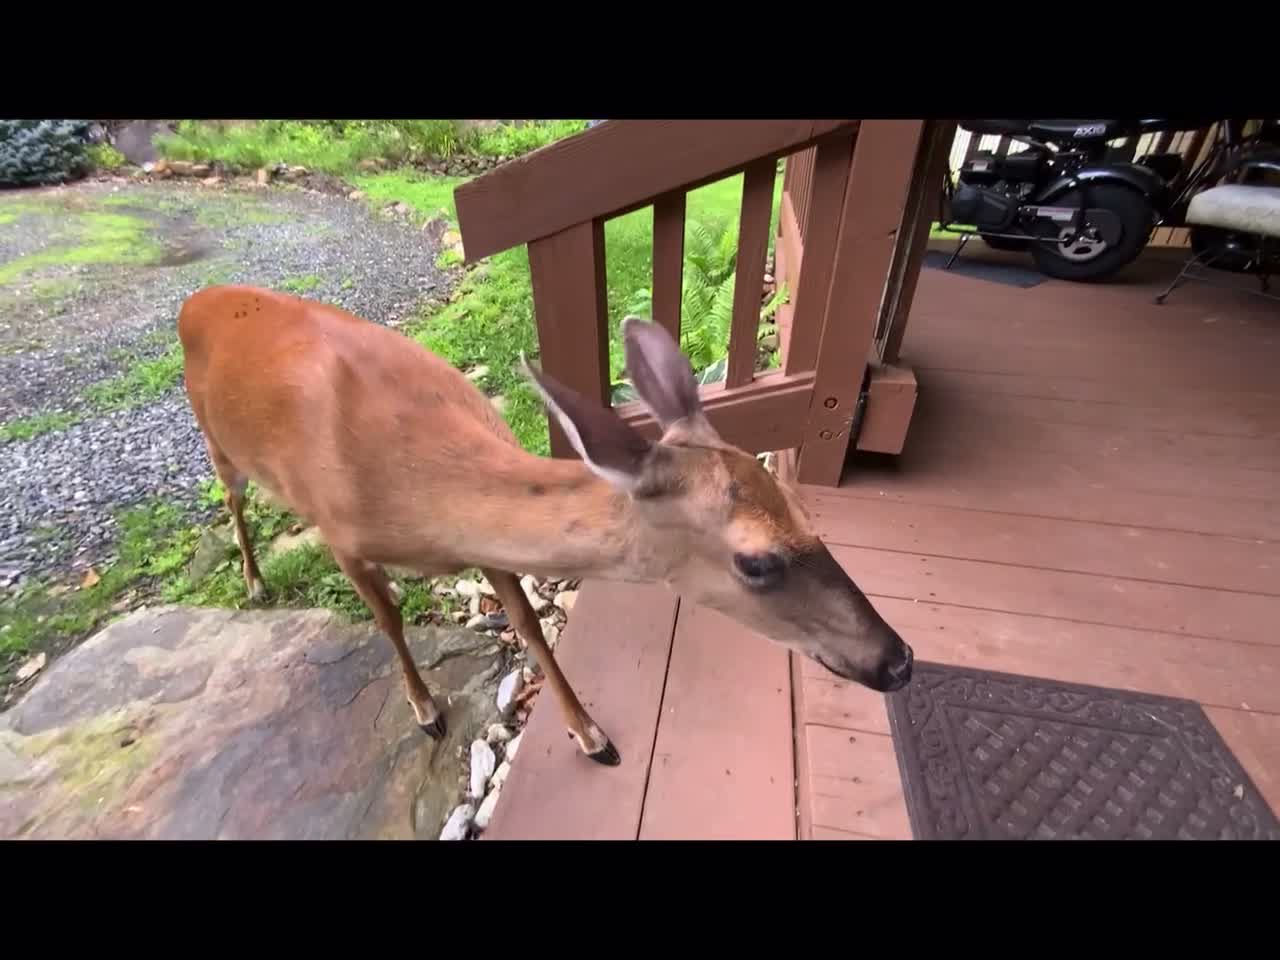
<point x="898" y="672"/>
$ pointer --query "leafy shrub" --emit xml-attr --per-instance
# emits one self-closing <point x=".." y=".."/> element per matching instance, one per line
<point x="37" y="152"/>
<point x="105" y="157"/>
<point x="330" y="146"/>
<point x="338" y="146"/>
<point x="706" y="303"/>
<point x="509" y="139"/>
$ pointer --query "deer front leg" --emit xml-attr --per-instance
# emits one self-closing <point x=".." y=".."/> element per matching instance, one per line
<point x="591" y="739"/>
<point x="374" y="587"/>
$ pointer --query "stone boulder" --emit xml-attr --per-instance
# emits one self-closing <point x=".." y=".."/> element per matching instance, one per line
<point x="187" y="723"/>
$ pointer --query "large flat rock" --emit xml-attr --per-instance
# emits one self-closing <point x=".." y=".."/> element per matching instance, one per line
<point x="182" y="723"/>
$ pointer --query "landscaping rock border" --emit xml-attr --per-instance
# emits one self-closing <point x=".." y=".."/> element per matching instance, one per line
<point x="484" y="767"/>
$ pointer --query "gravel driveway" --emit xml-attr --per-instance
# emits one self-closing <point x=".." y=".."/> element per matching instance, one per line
<point x="65" y="325"/>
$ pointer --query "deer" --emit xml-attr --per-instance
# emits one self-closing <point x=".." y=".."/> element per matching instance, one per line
<point x="400" y="461"/>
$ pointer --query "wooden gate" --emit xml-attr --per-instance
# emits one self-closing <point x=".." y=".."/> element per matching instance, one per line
<point x="848" y="247"/>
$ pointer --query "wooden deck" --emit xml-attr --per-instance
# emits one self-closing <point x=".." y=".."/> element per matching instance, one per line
<point x="1090" y="492"/>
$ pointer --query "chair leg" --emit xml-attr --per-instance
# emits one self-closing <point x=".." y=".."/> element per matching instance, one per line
<point x="1193" y="261"/>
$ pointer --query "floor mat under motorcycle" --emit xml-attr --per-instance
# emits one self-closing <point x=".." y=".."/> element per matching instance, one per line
<point x="1009" y="274"/>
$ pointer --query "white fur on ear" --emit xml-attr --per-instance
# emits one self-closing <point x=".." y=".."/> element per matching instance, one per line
<point x="619" y="479"/>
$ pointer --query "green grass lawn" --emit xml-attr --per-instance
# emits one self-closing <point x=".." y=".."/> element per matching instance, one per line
<point x="488" y="321"/>
<point x="338" y="146"/>
<point x="91" y="237"/>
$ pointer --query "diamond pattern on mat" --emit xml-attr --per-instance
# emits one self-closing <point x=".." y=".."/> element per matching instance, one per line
<point x="1057" y="780"/>
<point x="987" y="755"/>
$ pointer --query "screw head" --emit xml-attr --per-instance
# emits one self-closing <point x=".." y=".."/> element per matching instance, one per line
<point x="825" y="434"/>
<point x="830" y="403"/>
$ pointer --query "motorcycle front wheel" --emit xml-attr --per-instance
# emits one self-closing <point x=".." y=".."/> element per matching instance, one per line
<point x="1086" y="257"/>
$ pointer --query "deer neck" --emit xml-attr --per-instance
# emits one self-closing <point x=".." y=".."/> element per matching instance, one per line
<point x="563" y="520"/>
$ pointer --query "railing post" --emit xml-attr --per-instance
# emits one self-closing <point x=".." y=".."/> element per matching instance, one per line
<point x="879" y="183"/>
<point x="570" y="304"/>
<point x="917" y="221"/>
<point x="830" y="177"/>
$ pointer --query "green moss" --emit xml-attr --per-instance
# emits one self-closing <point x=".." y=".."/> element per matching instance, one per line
<point x="301" y="285"/>
<point x="217" y="275"/>
<point x="55" y="288"/>
<point x="141" y="383"/>
<point x="96" y="760"/>
<point x="25" y="428"/>
<point x="37" y="617"/>
<point x="222" y="214"/>
<point x="101" y="238"/>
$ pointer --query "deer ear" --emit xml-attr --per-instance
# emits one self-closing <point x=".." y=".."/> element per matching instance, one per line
<point x="613" y="450"/>
<point x="660" y="372"/>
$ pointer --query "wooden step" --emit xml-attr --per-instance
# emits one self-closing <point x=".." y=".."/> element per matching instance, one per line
<point x="614" y="653"/>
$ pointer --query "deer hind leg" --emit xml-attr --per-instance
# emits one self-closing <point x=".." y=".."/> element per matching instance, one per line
<point x="236" y="483"/>
<point x="591" y="739"/>
<point x="374" y="587"/>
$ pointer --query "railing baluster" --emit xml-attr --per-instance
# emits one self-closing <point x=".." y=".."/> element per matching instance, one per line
<point x="668" y="260"/>
<point x="830" y="171"/>
<point x="805" y="195"/>
<point x="753" y="250"/>
<point x="570" y="303"/>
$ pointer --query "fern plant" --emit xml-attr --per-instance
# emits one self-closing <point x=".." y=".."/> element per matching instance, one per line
<point x="706" y="304"/>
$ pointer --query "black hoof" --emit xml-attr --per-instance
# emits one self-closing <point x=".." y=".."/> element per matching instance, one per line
<point x="608" y="755"/>
<point x="436" y="729"/>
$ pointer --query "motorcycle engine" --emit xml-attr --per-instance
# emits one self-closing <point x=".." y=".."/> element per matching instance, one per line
<point x="988" y="208"/>
<point x="991" y="188"/>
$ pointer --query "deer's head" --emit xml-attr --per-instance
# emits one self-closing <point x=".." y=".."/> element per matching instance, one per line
<point x="724" y="531"/>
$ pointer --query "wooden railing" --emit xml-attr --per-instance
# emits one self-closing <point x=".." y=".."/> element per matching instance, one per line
<point x="847" y="188"/>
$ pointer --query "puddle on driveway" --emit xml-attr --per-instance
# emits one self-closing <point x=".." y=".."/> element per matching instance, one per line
<point x="183" y="253"/>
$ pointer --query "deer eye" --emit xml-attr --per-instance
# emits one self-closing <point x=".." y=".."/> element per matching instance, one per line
<point x="760" y="570"/>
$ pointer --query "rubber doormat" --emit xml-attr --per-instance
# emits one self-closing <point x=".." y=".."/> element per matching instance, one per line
<point x="993" y="756"/>
<point x="1006" y="273"/>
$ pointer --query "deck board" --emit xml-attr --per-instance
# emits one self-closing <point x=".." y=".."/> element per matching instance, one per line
<point x="722" y="764"/>
<point x="1090" y="492"/>
<point x="1208" y="671"/>
<point x="1253" y="418"/>
<point x="1085" y="598"/>
<point x="1027" y="483"/>
<point x="1111" y="550"/>
<point x="614" y="653"/>
<point x="1254" y="738"/>
<point x="855" y="785"/>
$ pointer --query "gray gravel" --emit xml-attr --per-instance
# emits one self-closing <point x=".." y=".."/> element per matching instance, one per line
<point x="59" y="491"/>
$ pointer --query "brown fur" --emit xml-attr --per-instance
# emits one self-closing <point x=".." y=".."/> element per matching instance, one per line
<point x="398" y="459"/>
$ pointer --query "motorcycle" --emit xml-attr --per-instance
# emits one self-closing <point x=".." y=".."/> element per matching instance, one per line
<point x="1083" y="209"/>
